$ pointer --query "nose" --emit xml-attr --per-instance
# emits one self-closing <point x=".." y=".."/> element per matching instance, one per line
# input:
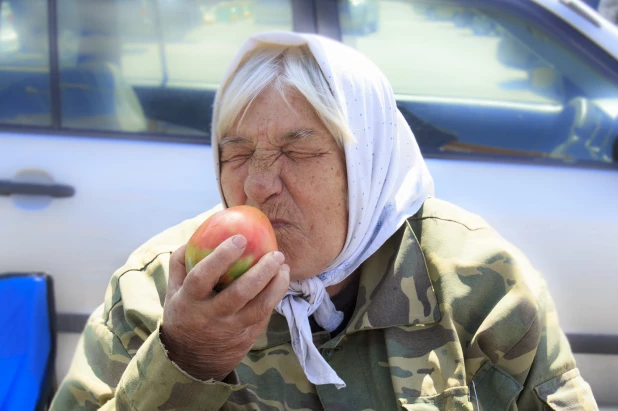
<point x="264" y="177"/>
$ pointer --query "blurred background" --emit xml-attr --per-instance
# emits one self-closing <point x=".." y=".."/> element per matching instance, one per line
<point x="105" y="108"/>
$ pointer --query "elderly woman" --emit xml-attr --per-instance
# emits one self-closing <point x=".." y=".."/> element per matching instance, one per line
<point x="381" y="297"/>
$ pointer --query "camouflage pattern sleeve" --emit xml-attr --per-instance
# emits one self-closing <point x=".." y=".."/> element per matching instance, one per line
<point x="516" y="355"/>
<point x="553" y="380"/>
<point x="103" y="376"/>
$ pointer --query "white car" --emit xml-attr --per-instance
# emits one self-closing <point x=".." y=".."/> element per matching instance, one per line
<point x="104" y="136"/>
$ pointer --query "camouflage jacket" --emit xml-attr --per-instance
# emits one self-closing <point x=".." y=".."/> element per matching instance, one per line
<point x="449" y="316"/>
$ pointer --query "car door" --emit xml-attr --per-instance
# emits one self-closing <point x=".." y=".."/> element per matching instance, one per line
<point x="104" y="135"/>
<point x="515" y="111"/>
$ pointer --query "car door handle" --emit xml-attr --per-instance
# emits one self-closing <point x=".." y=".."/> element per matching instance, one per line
<point x="8" y="188"/>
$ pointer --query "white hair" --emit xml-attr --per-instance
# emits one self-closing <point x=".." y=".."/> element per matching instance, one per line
<point x="287" y="68"/>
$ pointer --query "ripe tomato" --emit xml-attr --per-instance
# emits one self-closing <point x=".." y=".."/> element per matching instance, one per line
<point x="245" y="220"/>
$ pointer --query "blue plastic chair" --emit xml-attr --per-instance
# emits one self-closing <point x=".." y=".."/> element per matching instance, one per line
<point x="27" y="341"/>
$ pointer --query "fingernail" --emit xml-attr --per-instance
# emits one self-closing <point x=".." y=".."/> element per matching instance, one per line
<point x="239" y="241"/>
<point x="278" y="256"/>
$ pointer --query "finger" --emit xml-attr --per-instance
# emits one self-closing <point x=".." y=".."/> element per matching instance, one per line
<point x="204" y="276"/>
<point x="261" y="307"/>
<point x="178" y="271"/>
<point x="245" y="288"/>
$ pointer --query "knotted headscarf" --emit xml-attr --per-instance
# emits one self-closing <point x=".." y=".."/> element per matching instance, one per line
<point x="388" y="181"/>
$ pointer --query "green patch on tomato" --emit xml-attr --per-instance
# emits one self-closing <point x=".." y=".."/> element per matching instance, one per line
<point x="194" y="255"/>
<point x="236" y="270"/>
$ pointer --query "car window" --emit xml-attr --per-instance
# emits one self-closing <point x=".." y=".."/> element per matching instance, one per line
<point x="473" y="77"/>
<point x="152" y="65"/>
<point x="24" y="63"/>
<point x="133" y="66"/>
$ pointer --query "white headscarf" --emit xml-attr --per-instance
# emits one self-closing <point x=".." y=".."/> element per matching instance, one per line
<point x="388" y="181"/>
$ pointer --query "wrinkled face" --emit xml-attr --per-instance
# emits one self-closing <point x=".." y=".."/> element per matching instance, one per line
<point x="282" y="160"/>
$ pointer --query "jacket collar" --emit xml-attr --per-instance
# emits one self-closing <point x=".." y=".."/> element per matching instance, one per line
<point x="394" y="290"/>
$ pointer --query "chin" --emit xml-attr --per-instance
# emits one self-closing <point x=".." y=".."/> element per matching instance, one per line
<point x="298" y="254"/>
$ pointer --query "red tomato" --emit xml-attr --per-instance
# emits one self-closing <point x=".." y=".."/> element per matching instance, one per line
<point x="245" y="220"/>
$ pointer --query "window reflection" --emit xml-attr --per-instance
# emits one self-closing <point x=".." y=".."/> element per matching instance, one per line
<point x="486" y="80"/>
<point x="24" y="63"/>
<point x="152" y="66"/>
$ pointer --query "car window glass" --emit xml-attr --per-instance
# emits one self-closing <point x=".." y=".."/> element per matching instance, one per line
<point x="152" y="66"/>
<point x="483" y="80"/>
<point x="24" y="63"/>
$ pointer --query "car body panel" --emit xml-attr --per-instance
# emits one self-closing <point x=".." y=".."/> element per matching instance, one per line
<point x="125" y="192"/>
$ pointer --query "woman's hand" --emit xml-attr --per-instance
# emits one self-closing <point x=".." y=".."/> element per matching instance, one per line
<point x="207" y="334"/>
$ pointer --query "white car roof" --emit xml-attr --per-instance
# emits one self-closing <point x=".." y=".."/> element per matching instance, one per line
<point x="587" y="21"/>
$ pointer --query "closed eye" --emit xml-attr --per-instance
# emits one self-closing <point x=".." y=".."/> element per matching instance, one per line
<point x="235" y="156"/>
<point x="296" y="155"/>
